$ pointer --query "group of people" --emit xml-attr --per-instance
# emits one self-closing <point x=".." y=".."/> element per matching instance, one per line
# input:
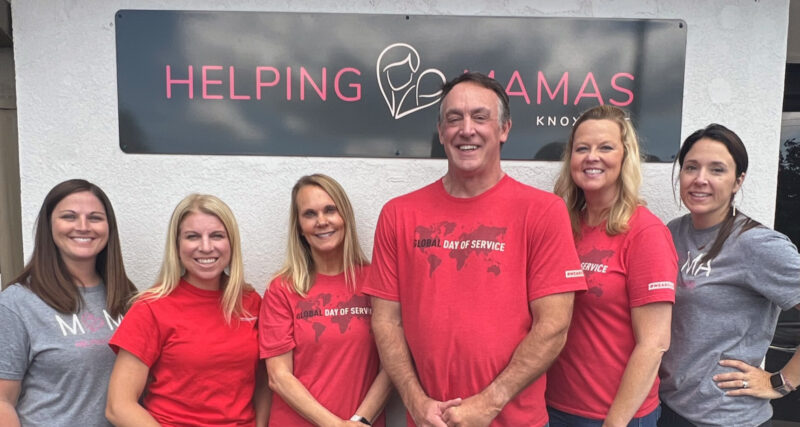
<point x="487" y="301"/>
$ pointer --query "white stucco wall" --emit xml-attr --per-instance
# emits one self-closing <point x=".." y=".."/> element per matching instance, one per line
<point x="67" y="106"/>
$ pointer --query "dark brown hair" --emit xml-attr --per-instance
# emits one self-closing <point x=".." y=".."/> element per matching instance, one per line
<point x="504" y="113"/>
<point x="47" y="276"/>
<point x="738" y="152"/>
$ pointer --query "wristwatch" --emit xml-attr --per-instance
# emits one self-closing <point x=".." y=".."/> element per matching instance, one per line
<point x="360" y="419"/>
<point x="780" y="384"/>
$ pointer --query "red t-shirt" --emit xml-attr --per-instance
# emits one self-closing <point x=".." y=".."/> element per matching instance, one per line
<point x="464" y="272"/>
<point x="333" y="351"/>
<point x="202" y="370"/>
<point x="628" y="270"/>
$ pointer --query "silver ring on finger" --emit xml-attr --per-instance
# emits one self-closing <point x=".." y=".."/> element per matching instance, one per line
<point x="744" y="384"/>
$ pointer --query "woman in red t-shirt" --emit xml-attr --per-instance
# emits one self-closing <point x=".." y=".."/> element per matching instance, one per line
<point x="314" y="328"/>
<point x="192" y="340"/>
<point x="606" y="374"/>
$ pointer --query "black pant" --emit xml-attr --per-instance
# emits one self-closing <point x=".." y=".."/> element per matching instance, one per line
<point x="670" y="418"/>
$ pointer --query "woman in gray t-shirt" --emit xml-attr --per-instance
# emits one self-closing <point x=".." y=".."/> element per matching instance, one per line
<point x="735" y="276"/>
<point x="56" y="320"/>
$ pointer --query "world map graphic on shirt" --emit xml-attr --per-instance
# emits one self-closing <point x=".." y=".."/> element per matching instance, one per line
<point x="592" y="262"/>
<point x="318" y="309"/>
<point x="460" y="244"/>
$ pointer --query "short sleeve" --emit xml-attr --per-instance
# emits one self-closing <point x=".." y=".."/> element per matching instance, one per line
<point x="773" y="265"/>
<point x="382" y="278"/>
<point x="252" y="303"/>
<point x="139" y="334"/>
<point x="553" y="264"/>
<point x="15" y="346"/>
<point x="276" y="322"/>
<point x="651" y="266"/>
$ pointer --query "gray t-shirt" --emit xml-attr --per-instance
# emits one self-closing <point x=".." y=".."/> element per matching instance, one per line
<point x="63" y="361"/>
<point x="726" y="308"/>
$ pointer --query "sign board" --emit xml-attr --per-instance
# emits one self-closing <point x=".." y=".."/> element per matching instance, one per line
<point x="355" y="85"/>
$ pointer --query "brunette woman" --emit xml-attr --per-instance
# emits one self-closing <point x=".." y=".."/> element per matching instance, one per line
<point x="735" y="277"/>
<point x="55" y="322"/>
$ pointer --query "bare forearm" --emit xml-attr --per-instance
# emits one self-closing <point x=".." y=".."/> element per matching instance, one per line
<point x="792" y="369"/>
<point x="531" y="359"/>
<point x="637" y="381"/>
<point x="262" y="399"/>
<point x="376" y="397"/>
<point x="551" y="316"/>
<point x="129" y="414"/>
<point x="536" y="352"/>
<point x="397" y="362"/>
<point x="387" y="325"/>
<point x="651" y="331"/>
<point x="293" y="392"/>
<point x="8" y="415"/>
<point x="125" y="387"/>
<point x="9" y="396"/>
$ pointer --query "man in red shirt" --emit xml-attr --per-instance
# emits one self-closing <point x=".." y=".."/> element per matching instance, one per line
<point x="473" y="277"/>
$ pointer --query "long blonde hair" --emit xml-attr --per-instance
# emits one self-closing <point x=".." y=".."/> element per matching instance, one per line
<point x="171" y="269"/>
<point x="628" y="183"/>
<point x="298" y="270"/>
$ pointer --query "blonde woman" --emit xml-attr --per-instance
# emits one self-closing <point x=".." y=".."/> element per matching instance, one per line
<point x="606" y="374"/>
<point x="315" y="323"/>
<point x="191" y="340"/>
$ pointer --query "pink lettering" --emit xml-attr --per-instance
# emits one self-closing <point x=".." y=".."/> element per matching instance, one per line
<point x="348" y="88"/>
<point x="233" y="89"/>
<point x="207" y="82"/>
<point x="581" y="94"/>
<point x="288" y="83"/>
<point x="260" y="83"/>
<point x="355" y="86"/>
<point x="542" y="81"/>
<point x="305" y="76"/>
<point x="171" y="81"/>
<point x="619" y="88"/>
<point x="516" y="78"/>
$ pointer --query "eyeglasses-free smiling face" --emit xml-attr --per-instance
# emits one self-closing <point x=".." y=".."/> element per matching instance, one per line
<point x="708" y="182"/>
<point x="596" y="158"/>
<point x="320" y="222"/>
<point x="204" y="249"/>
<point x="80" y="227"/>
<point x="470" y="129"/>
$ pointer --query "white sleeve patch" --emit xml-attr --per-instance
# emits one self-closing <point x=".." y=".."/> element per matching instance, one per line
<point x="660" y="285"/>
<point x="573" y="273"/>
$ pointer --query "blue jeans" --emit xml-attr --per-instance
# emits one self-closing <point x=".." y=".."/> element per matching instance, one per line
<point x="563" y="419"/>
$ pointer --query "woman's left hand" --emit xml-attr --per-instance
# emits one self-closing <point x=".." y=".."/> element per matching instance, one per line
<point x="750" y="381"/>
